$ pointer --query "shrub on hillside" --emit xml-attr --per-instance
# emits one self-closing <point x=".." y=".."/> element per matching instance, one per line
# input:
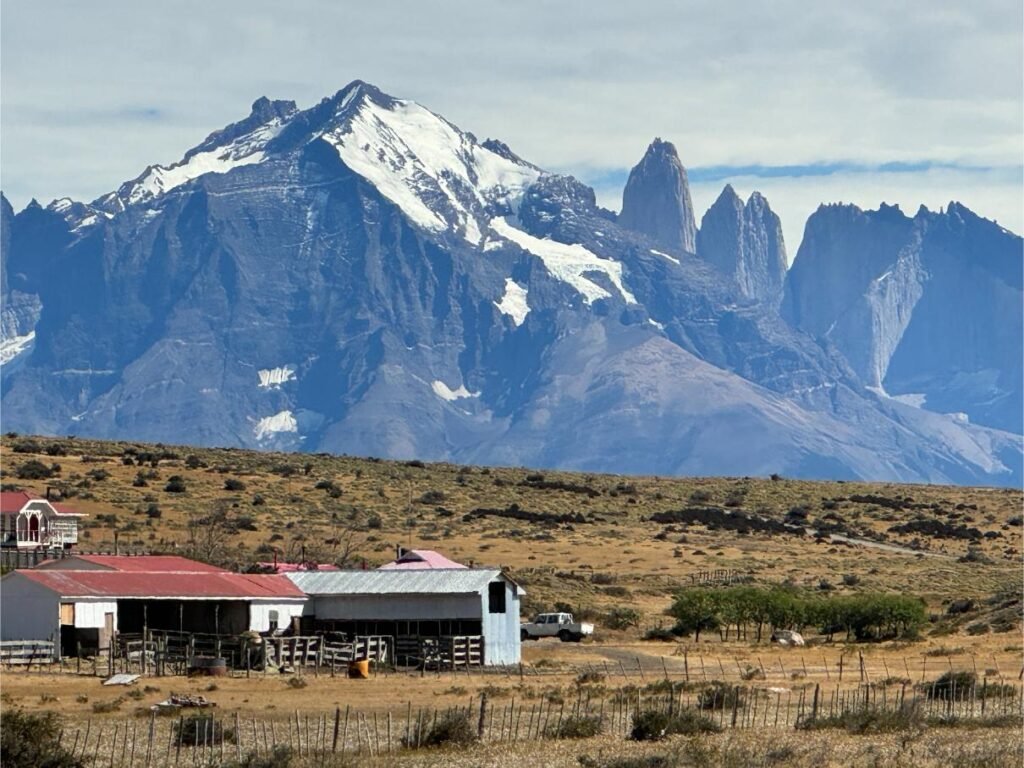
<point x="175" y="484"/>
<point x="33" y="469"/>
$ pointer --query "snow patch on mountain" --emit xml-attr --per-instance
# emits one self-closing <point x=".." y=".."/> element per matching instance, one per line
<point x="438" y="175"/>
<point x="673" y="259"/>
<point x="443" y="391"/>
<point x="568" y="263"/>
<point x="273" y="378"/>
<point x="13" y="346"/>
<point x="245" y="150"/>
<point x="269" y="426"/>
<point x="513" y="302"/>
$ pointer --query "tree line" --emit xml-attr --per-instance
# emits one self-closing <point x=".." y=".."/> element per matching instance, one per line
<point x="741" y="609"/>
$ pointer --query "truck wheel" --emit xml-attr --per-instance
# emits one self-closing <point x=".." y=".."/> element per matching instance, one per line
<point x="524" y="635"/>
<point x="564" y="635"/>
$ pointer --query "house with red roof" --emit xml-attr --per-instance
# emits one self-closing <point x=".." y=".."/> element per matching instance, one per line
<point x="84" y="601"/>
<point x="30" y="522"/>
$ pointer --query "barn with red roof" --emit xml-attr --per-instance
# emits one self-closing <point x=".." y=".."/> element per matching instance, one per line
<point x="83" y="601"/>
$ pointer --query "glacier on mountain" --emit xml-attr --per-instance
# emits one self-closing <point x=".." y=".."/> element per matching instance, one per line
<point x="385" y="252"/>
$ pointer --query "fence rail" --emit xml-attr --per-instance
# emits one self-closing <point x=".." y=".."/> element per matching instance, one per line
<point x="27" y="652"/>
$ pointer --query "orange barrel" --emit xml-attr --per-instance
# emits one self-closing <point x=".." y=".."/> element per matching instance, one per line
<point x="360" y="670"/>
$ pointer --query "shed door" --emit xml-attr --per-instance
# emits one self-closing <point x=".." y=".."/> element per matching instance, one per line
<point x="67" y="614"/>
<point x="107" y="633"/>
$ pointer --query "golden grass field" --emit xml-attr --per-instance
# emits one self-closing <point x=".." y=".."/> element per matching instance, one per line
<point x="612" y="556"/>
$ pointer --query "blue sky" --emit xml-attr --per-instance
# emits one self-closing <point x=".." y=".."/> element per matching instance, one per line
<point x="864" y="102"/>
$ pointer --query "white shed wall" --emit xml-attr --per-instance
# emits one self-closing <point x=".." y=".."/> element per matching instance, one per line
<point x="90" y="614"/>
<point x="502" y="643"/>
<point x="396" y="607"/>
<point x="259" y="614"/>
<point x="28" y="611"/>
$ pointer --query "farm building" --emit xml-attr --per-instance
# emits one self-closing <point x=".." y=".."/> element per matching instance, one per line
<point x="420" y="608"/>
<point x="125" y="595"/>
<point x="29" y="522"/>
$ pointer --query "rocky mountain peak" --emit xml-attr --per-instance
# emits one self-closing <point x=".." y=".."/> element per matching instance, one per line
<point x="744" y="242"/>
<point x="656" y="201"/>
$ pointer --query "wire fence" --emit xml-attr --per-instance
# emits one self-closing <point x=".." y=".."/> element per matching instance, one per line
<point x="204" y="738"/>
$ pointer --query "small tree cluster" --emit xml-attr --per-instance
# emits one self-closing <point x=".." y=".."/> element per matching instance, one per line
<point x="861" y="617"/>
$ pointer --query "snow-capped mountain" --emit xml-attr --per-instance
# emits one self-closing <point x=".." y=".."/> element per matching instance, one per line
<point x="363" y="276"/>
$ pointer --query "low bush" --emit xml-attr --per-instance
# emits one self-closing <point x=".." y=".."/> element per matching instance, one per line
<point x="200" y="729"/>
<point x="622" y="618"/>
<point x="575" y="728"/>
<point x="868" y="721"/>
<point x="175" y="484"/>
<point x="590" y="677"/>
<point x="36" y="470"/>
<point x="32" y="740"/>
<point x="281" y="756"/>
<point x="952" y="686"/>
<point x="105" y="707"/>
<point x="720" y="695"/>
<point x="234" y="484"/>
<point x="654" y="725"/>
<point x="662" y="634"/>
<point x="454" y="729"/>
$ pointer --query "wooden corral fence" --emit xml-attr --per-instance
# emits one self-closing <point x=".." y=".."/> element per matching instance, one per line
<point x="26" y="652"/>
<point x="183" y="740"/>
<point x="321" y="650"/>
<point x="440" y="652"/>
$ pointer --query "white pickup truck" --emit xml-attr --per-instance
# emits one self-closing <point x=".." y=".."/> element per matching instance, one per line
<point x="560" y="625"/>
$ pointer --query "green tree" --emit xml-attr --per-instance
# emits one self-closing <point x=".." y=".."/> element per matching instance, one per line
<point x="696" y="610"/>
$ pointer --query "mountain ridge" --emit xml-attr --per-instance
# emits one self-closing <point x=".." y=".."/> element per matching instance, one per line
<point x="365" y="277"/>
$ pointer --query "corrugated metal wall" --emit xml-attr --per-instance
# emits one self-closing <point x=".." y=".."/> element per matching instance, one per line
<point x="501" y="630"/>
<point x="396" y="607"/>
<point x="28" y="611"/>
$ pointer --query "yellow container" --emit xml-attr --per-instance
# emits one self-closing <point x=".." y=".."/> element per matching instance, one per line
<point x="360" y="670"/>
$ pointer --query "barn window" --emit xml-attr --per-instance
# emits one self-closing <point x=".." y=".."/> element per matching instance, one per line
<point x="273" y="620"/>
<point x="496" y="597"/>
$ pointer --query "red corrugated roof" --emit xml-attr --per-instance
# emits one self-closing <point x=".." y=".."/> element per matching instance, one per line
<point x="149" y="564"/>
<point x="196" y="586"/>
<point x="12" y="502"/>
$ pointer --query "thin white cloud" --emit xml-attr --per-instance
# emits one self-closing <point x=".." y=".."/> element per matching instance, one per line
<point x="567" y="85"/>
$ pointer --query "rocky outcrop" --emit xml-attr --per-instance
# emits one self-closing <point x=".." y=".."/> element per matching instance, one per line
<point x="926" y="309"/>
<point x="656" y="201"/>
<point x="745" y="243"/>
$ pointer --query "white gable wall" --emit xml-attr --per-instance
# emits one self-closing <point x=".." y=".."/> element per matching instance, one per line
<point x="501" y="630"/>
<point x="259" y="613"/>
